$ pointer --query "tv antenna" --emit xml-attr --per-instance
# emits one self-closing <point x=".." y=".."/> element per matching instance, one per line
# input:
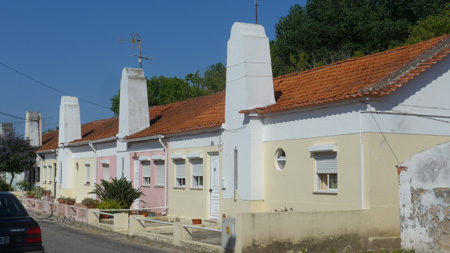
<point x="136" y="41"/>
<point x="256" y="11"/>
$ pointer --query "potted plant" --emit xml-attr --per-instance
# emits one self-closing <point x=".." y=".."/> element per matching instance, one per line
<point x="90" y="202"/>
<point x="29" y="194"/>
<point x="196" y="221"/>
<point x="70" y="201"/>
<point x="48" y="193"/>
<point x="61" y="199"/>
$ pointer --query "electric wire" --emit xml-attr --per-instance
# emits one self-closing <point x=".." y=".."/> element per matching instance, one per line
<point x="48" y="86"/>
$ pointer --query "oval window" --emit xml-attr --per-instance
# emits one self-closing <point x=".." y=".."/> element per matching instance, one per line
<point x="281" y="159"/>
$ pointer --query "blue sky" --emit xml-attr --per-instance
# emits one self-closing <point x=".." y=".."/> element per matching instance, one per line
<point x="73" y="47"/>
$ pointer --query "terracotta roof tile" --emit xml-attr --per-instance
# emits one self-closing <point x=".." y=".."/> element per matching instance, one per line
<point x="99" y="129"/>
<point x="375" y="75"/>
<point x="49" y="141"/>
<point x="187" y="115"/>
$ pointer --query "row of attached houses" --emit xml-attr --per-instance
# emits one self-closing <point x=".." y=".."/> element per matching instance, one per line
<point x="306" y="155"/>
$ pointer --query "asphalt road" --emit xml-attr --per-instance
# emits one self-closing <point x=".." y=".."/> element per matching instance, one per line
<point x="58" y="237"/>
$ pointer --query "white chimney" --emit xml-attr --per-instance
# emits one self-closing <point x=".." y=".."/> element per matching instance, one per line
<point x="133" y="111"/>
<point x="33" y="129"/>
<point x="249" y="71"/>
<point x="6" y="128"/>
<point x="249" y="85"/>
<point x="69" y="119"/>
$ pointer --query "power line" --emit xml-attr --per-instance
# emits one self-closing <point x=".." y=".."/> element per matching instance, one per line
<point x="12" y="116"/>
<point x="48" y="86"/>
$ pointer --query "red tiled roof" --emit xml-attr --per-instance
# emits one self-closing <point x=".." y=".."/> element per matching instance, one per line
<point x="49" y="141"/>
<point x="99" y="129"/>
<point x="187" y="115"/>
<point x="373" y="75"/>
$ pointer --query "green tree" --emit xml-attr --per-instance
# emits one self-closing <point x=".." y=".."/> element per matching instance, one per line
<point x="326" y="31"/>
<point x="16" y="155"/>
<point x="431" y="27"/>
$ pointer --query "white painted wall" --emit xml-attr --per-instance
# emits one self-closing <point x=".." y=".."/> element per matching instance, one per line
<point x="197" y="140"/>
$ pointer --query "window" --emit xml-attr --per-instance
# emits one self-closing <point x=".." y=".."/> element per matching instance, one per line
<point x="326" y="169"/>
<point x="146" y="173"/>
<point x="49" y="174"/>
<point x="160" y="176"/>
<point x="88" y="173"/>
<point x="281" y="159"/>
<point x="44" y="170"/>
<point x="197" y="173"/>
<point x="38" y="174"/>
<point x="180" y="173"/>
<point x="106" y="172"/>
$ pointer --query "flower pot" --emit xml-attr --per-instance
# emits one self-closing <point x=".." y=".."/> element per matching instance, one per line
<point x="70" y="203"/>
<point x="30" y="196"/>
<point x="61" y="201"/>
<point x="196" y="221"/>
<point x="145" y="214"/>
<point x="151" y="214"/>
<point x="91" y="205"/>
<point x="48" y="193"/>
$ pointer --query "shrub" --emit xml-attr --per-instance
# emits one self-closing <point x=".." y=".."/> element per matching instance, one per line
<point x="112" y="204"/>
<point x="4" y="186"/>
<point x="118" y="189"/>
<point x="89" y="201"/>
<point x="23" y="185"/>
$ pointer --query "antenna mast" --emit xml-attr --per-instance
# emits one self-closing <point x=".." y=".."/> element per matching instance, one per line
<point x="136" y="40"/>
<point x="256" y="10"/>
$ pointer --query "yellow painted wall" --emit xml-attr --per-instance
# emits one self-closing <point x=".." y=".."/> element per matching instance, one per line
<point x="188" y="201"/>
<point x="79" y="187"/>
<point x="49" y="181"/>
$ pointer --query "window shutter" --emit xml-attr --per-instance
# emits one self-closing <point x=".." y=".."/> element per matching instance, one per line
<point x="88" y="174"/>
<point x="106" y="172"/>
<point x="326" y="162"/>
<point x="197" y="167"/>
<point x="181" y="170"/>
<point x="146" y="168"/>
<point x="160" y="177"/>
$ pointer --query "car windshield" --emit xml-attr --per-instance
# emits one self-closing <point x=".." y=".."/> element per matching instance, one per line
<point x="10" y="206"/>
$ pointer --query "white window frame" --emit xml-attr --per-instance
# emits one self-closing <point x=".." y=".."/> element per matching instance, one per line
<point x="326" y="166"/>
<point x="88" y="172"/>
<point x="44" y="176"/>
<point x="280" y="159"/>
<point x="160" y="172"/>
<point x="50" y="168"/>
<point x="180" y="173"/>
<point x="146" y="173"/>
<point x="197" y="172"/>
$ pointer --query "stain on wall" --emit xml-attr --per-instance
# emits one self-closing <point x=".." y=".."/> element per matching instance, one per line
<point x="424" y="196"/>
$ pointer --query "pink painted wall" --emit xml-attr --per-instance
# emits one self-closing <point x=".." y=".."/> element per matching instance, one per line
<point x="154" y="196"/>
<point x="112" y="167"/>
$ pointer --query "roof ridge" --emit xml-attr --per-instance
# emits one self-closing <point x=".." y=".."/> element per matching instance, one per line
<point x="187" y="99"/>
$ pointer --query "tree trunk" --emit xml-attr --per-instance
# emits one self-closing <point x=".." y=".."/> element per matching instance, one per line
<point x="10" y="182"/>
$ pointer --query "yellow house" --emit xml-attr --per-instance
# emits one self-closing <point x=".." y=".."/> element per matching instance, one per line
<point x="309" y="158"/>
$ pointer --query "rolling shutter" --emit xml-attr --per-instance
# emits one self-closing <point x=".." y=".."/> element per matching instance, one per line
<point x="326" y="163"/>
<point x="197" y="167"/>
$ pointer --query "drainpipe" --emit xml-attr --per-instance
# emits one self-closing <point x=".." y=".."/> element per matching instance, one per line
<point x="361" y="172"/>
<point x="95" y="161"/>
<point x="166" y="171"/>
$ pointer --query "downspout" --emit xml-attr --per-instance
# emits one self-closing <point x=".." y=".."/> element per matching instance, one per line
<point x="361" y="172"/>
<point x="166" y="171"/>
<point x="95" y="161"/>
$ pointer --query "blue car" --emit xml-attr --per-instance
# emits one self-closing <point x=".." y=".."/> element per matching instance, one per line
<point x="18" y="231"/>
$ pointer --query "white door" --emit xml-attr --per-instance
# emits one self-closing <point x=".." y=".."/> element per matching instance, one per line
<point x="214" y="188"/>
<point x="136" y="181"/>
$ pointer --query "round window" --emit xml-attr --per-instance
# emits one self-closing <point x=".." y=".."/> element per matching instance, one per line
<point x="281" y="158"/>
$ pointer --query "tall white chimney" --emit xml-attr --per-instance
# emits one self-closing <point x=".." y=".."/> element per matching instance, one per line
<point x="33" y="128"/>
<point x="69" y="119"/>
<point x="133" y="111"/>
